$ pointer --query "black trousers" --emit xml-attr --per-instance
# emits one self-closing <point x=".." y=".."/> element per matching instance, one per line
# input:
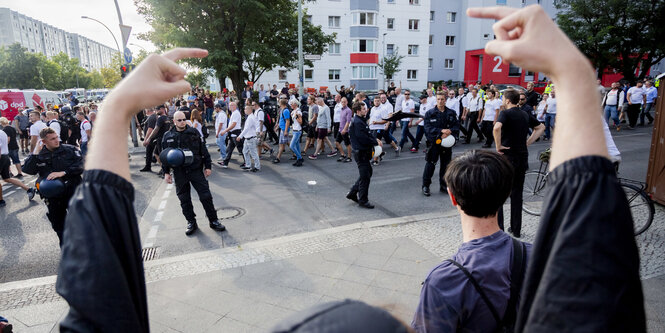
<point x="520" y="165"/>
<point x="271" y="135"/>
<point x="233" y="144"/>
<point x="183" y="178"/>
<point x="633" y="114"/>
<point x="56" y="214"/>
<point x="473" y="126"/>
<point x="361" y="186"/>
<point x="487" y="127"/>
<point x="149" y="151"/>
<point x="335" y="129"/>
<point x="435" y="153"/>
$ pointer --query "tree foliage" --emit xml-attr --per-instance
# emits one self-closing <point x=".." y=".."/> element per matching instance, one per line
<point x="619" y="34"/>
<point x="198" y="78"/>
<point x="389" y="65"/>
<point x="244" y="38"/>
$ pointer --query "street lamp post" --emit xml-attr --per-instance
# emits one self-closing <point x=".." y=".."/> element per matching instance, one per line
<point x="383" y="51"/>
<point x="107" y="28"/>
<point x="137" y="45"/>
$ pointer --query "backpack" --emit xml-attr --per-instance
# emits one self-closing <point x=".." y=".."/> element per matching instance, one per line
<point x="267" y="121"/>
<point x="517" y="271"/>
<point x="204" y="130"/>
<point x="64" y="129"/>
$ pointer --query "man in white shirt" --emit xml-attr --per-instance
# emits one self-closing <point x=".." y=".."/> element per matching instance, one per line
<point x="35" y="128"/>
<point x="261" y="128"/>
<point x="249" y="133"/>
<point x="336" y="111"/>
<point x="5" y="164"/>
<point x="220" y="125"/>
<point x="234" y="129"/>
<point x="636" y="97"/>
<point x="471" y="112"/>
<point x="407" y="106"/>
<point x="612" y="102"/>
<point x="453" y="103"/>
<point x="263" y="94"/>
<point x="53" y="122"/>
<point x="431" y="100"/>
<point x="379" y="127"/>
<point x="420" y="122"/>
<point x="550" y="114"/>
<point x="489" y="115"/>
<point x="86" y="131"/>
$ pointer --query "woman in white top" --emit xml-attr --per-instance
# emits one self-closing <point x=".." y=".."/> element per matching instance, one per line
<point x="195" y="121"/>
<point x="296" y="121"/>
<point x="540" y="109"/>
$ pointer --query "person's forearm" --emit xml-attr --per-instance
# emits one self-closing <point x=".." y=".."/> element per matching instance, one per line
<point x="537" y="132"/>
<point x="496" y="133"/>
<point x="577" y="113"/>
<point x="107" y="154"/>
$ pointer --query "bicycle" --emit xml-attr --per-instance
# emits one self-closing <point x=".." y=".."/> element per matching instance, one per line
<point x="641" y="205"/>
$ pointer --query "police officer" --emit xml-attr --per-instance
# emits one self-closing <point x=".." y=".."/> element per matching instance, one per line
<point x="362" y="144"/>
<point x="56" y="161"/>
<point x="440" y="122"/>
<point x="182" y="136"/>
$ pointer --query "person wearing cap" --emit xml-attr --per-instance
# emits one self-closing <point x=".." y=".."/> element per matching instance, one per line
<point x="440" y="122"/>
<point x="184" y="137"/>
<point x="54" y="160"/>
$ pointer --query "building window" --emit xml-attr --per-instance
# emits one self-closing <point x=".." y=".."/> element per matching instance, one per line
<point x="431" y="37"/>
<point x="391" y="1"/>
<point x="364" y="46"/>
<point x="390" y="23"/>
<point x="451" y="17"/>
<point x="450" y="40"/>
<point x="333" y="74"/>
<point x="363" y="72"/>
<point x="390" y="49"/>
<point x="333" y="21"/>
<point x="486" y="36"/>
<point x="413" y="50"/>
<point x="449" y="63"/>
<point x="501" y="2"/>
<point x="282" y="74"/>
<point x="429" y="63"/>
<point x="431" y="16"/>
<point x="364" y="18"/>
<point x="414" y="2"/>
<point x="411" y="74"/>
<point x="514" y="70"/>
<point x="333" y="48"/>
<point x="413" y="24"/>
<point x="309" y="74"/>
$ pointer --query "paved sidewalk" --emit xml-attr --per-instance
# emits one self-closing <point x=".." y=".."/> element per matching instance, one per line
<point x="250" y="287"/>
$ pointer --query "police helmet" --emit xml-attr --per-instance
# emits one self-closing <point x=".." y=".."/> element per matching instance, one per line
<point x="176" y="157"/>
<point x="448" y="141"/>
<point x="51" y="188"/>
<point x="377" y="151"/>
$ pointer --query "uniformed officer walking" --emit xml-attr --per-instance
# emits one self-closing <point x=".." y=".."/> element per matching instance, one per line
<point x="184" y="137"/>
<point x="362" y="144"/>
<point x="440" y="122"/>
<point x="56" y="161"/>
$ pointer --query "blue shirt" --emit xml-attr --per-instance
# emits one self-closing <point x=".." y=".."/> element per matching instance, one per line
<point x="284" y="115"/>
<point x="448" y="299"/>
<point x="652" y="93"/>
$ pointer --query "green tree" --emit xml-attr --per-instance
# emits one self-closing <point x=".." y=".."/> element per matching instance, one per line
<point x="111" y="73"/>
<point x="198" y="78"/>
<point x="389" y="65"/>
<point x="19" y="68"/>
<point x="624" y="35"/>
<point x="244" y="38"/>
<point x="71" y="73"/>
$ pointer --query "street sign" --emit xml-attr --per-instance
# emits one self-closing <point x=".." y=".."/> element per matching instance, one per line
<point x="125" y="30"/>
<point x="312" y="57"/>
<point x="128" y="56"/>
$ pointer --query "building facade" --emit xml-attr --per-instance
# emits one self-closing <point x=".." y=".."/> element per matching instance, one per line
<point x="39" y="37"/>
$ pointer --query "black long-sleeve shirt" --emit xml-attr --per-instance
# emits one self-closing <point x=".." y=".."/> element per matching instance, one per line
<point x="361" y="138"/>
<point x="436" y="120"/>
<point x="65" y="158"/>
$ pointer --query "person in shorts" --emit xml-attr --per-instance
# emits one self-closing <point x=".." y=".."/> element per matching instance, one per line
<point x="284" y="124"/>
<point x="5" y="163"/>
<point x="345" y="115"/>
<point x="12" y="145"/>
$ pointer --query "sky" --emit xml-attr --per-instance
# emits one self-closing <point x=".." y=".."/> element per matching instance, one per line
<point x="66" y="15"/>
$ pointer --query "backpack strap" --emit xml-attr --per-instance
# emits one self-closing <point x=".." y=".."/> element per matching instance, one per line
<point x="516" y="279"/>
<point x="480" y="291"/>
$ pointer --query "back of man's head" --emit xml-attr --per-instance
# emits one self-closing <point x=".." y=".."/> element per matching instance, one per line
<point x="480" y="181"/>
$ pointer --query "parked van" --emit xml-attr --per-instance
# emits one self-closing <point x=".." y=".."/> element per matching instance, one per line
<point x="13" y="99"/>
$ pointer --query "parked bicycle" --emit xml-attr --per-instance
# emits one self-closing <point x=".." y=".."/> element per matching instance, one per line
<point x="641" y="205"/>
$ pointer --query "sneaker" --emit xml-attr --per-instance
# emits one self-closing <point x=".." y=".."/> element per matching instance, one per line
<point x="312" y="157"/>
<point x="332" y="153"/>
<point x="341" y="158"/>
<point x="220" y="159"/>
<point x="293" y="158"/>
<point x="276" y="160"/>
<point x="255" y="170"/>
<point x="414" y="150"/>
<point x="225" y="166"/>
<point x="146" y="169"/>
<point x="244" y="167"/>
<point x="31" y="193"/>
<point x="2" y="203"/>
<point x="347" y="160"/>
<point x="375" y="163"/>
<point x="397" y="151"/>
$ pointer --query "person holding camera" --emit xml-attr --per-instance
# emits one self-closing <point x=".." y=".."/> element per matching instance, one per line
<point x="185" y="153"/>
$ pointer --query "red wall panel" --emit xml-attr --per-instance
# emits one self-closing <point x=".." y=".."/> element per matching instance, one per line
<point x="364" y="58"/>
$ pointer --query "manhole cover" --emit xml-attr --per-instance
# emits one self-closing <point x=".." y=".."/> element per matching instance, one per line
<point x="149" y="253"/>
<point x="228" y="213"/>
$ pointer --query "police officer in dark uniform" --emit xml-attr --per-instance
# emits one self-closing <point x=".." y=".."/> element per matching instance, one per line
<point x="440" y="122"/>
<point x="186" y="138"/>
<point x="56" y="161"/>
<point x="362" y="144"/>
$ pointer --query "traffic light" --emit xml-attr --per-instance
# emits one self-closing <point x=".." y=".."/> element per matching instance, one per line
<point x="124" y="70"/>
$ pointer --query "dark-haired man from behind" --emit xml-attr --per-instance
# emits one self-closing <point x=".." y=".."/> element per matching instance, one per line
<point x="510" y="134"/>
<point x="362" y="143"/>
<point x="479" y="182"/>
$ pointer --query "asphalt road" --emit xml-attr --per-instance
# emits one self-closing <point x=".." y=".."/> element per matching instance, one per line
<point x="277" y="201"/>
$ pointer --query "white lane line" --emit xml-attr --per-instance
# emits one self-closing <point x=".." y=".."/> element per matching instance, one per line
<point x="6" y="187"/>
<point x="166" y="194"/>
<point x="162" y="205"/>
<point x="10" y="193"/>
<point x="158" y="216"/>
<point x="169" y="186"/>
<point x="149" y="244"/>
<point x="153" y="232"/>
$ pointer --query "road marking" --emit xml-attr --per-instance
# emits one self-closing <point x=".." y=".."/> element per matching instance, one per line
<point x="153" y="232"/>
<point x="10" y="193"/>
<point x="149" y="244"/>
<point x="169" y="186"/>
<point x="166" y="194"/>
<point x="158" y="216"/>
<point x="162" y="205"/>
<point x="6" y="187"/>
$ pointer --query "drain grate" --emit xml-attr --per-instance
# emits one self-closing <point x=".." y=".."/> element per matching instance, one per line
<point x="150" y="253"/>
<point x="228" y="213"/>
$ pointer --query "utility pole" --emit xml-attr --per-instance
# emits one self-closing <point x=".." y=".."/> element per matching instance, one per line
<point x="301" y="72"/>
